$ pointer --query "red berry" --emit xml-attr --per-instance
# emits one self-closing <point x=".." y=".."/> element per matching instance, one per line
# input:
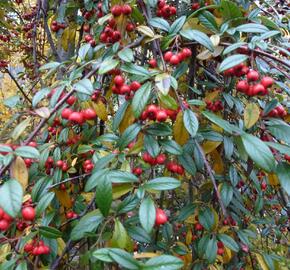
<point x="126" y="9"/>
<point x="86" y="28"/>
<point x="46" y="250"/>
<point x="198" y="227"/>
<point x="28" y="213"/>
<point x="7" y="217"/>
<point x="259" y="89"/>
<point x="172" y="10"/>
<point x="152" y="111"/>
<point x="89" y="114"/>
<point x="125" y="89"/>
<point x="174" y="60"/>
<point x="134" y="86"/>
<point x="195" y="6"/>
<point x="161" y="3"/>
<point x="88" y="38"/>
<point x="263" y="186"/>
<point x="59" y="163"/>
<point x="4" y="225"/>
<point x="242" y="86"/>
<point x="1" y="213"/>
<point x="180" y="170"/>
<point x="167" y="56"/>
<point x="28" y="247"/>
<point x="267" y="82"/>
<point x="66" y="112"/>
<point x="119" y="80"/>
<point x="220" y="251"/>
<point x="69" y="215"/>
<point x="253" y="76"/>
<point x="116" y="10"/>
<point x="130" y="27"/>
<point x="161" y="116"/>
<point x="160" y="159"/>
<point x="138" y="171"/>
<point x="76" y="117"/>
<point x="152" y="63"/>
<point x="186" y="52"/>
<point x="161" y="217"/>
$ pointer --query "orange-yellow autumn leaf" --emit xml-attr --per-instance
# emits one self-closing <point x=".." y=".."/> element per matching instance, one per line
<point x="180" y="133"/>
<point x="273" y="179"/>
<point x="127" y="120"/>
<point x="63" y="198"/>
<point x="101" y="110"/>
<point x="218" y="164"/>
<point x="251" y="115"/>
<point x="210" y="146"/>
<point x="19" y="172"/>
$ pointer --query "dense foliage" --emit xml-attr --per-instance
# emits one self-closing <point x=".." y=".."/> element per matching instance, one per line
<point x="145" y="135"/>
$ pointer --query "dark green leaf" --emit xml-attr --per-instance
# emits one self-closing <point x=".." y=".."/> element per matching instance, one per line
<point x="50" y="232"/>
<point x="122" y="177"/>
<point x="283" y="172"/>
<point x="44" y="202"/>
<point x="281" y="132"/>
<point x="190" y="122"/>
<point x="232" y="61"/>
<point x="119" y="115"/>
<point x="226" y="194"/>
<point x="84" y="86"/>
<point x="177" y="25"/>
<point x="160" y="23"/>
<point x="211" y="250"/>
<point x="104" y="195"/>
<point x="171" y="147"/>
<point x="151" y="145"/>
<point x="126" y="55"/>
<point x="163" y="262"/>
<point x="206" y="218"/>
<point x="27" y="152"/>
<point x="124" y="259"/>
<point x="188" y="163"/>
<point x="108" y="65"/>
<point x="141" y="98"/>
<point x="229" y="242"/>
<point x="252" y="28"/>
<point x="147" y="214"/>
<point x="129" y="135"/>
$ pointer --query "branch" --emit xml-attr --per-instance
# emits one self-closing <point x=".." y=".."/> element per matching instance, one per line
<point x="18" y="85"/>
<point x="69" y="179"/>
<point x="212" y="178"/>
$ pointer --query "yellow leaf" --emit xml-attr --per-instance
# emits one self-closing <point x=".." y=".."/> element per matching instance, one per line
<point x="88" y="196"/>
<point x="19" y="172"/>
<point x="145" y="30"/>
<point x="127" y="120"/>
<point x="261" y="261"/>
<point x="227" y="255"/>
<point x="193" y="23"/>
<point x="188" y="238"/>
<point x="273" y="179"/>
<point x="60" y="246"/>
<point x="145" y="255"/>
<point x="251" y="115"/>
<point x="210" y="146"/>
<point x="68" y="36"/>
<point x="4" y="251"/>
<point x="120" y="190"/>
<point x="63" y="198"/>
<point x="73" y="163"/>
<point x="180" y="133"/>
<point x="218" y="164"/>
<point x="101" y="110"/>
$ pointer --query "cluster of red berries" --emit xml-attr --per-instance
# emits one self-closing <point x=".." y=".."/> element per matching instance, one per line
<point x="27" y="27"/>
<point x="71" y="214"/>
<point x="161" y="217"/>
<point x="56" y="26"/>
<point x="5" y="220"/>
<point x="110" y="34"/>
<point x="28" y="16"/>
<point x="5" y="38"/>
<point x="28" y="214"/>
<point x="88" y="14"/>
<point x="214" y="106"/>
<point x="61" y="164"/>
<point x="164" y="10"/>
<point x="90" y="39"/>
<point x="174" y="167"/>
<point x="279" y="111"/>
<point x="153" y="112"/>
<point x="3" y="64"/>
<point x="220" y="250"/>
<point x="175" y="59"/>
<point x="36" y="248"/>
<point x="160" y="159"/>
<point x="120" y="88"/>
<point x="88" y="166"/>
<point x="250" y="86"/>
<point x="117" y="10"/>
<point x="229" y="221"/>
<point x="70" y="100"/>
<point x="78" y="117"/>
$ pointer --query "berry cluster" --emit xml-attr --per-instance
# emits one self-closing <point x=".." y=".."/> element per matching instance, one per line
<point x="5" y="220"/>
<point x="279" y="111"/>
<point x="78" y="117"/>
<point x="3" y="64"/>
<point x="49" y="164"/>
<point x="220" y="250"/>
<point x="229" y="220"/>
<point x="160" y="159"/>
<point x="62" y="165"/>
<point x="36" y="248"/>
<point x="153" y="112"/>
<point x="117" y="10"/>
<point x="28" y="16"/>
<point x="161" y="217"/>
<point x="250" y="86"/>
<point x="174" y="167"/>
<point x="90" y="39"/>
<point x="120" y="88"/>
<point x="175" y="59"/>
<point x="56" y="26"/>
<point x="5" y="38"/>
<point x="214" y="106"/>
<point x="88" y="14"/>
<point x="110" y="33"/>
<point x="88" y="166"/>
<point x="164" y="10"/>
